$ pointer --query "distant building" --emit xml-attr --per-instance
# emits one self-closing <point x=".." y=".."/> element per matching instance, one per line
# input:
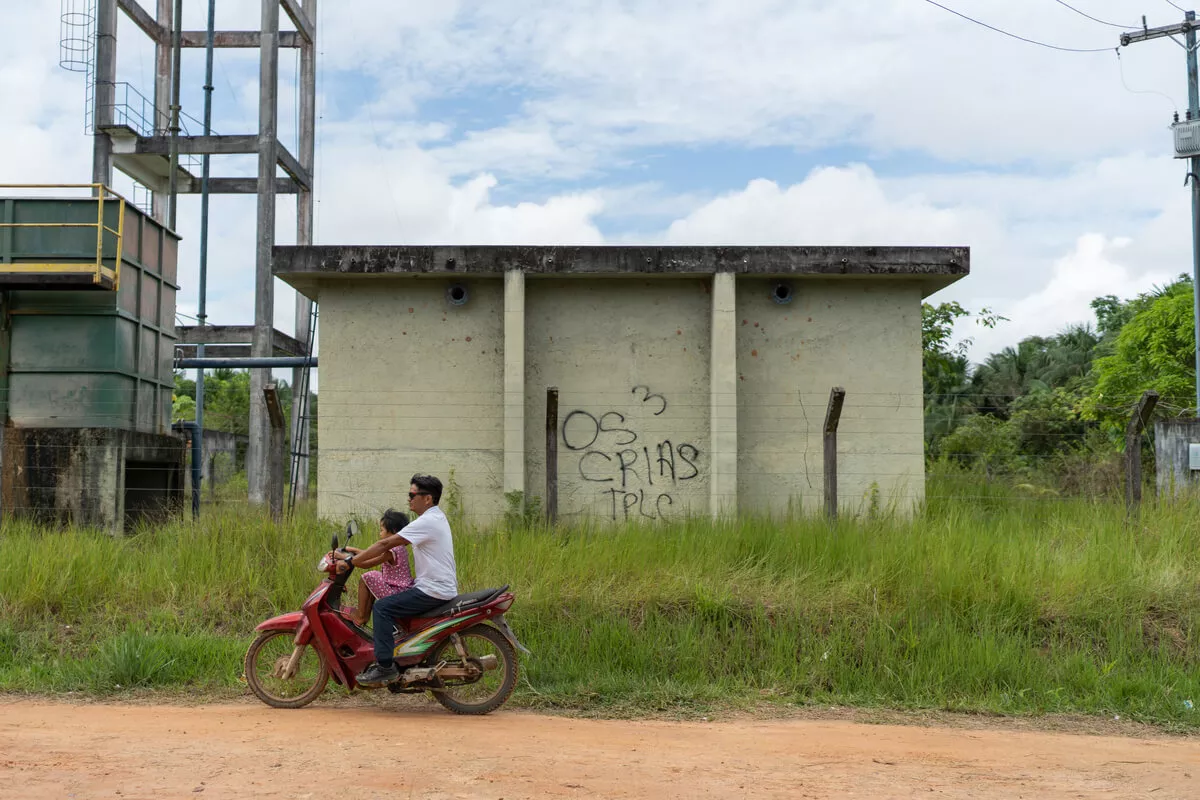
<point x="692" y="380"/>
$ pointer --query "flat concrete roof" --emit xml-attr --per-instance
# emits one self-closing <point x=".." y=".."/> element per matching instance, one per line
<point x="308" y="269"/>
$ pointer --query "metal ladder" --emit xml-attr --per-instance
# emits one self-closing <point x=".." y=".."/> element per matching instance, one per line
<point x="299" y="451"/>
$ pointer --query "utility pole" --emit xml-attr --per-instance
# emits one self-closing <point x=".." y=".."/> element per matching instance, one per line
<point x="1187" y="29"/>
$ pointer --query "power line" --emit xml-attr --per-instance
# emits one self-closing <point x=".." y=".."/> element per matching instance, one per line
<point x="1167" y="97"/>
<point x="1181" y="8"/>
<point x="1096" y="19"/>
<point x="1020" y="38"/>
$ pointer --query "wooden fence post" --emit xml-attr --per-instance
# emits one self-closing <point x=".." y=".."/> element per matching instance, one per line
<point x="1133" y="450"/>
<point x="832" y="415"/>
<point x="552" y="454"/>
<point x="275" y="440"/>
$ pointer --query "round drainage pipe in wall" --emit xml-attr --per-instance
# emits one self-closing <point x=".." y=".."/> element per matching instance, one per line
<point x="457" y="294"/>
<point x="782" y="293"/>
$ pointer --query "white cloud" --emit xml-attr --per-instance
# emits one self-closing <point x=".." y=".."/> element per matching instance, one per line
<point x="1042" y="279"/>
<point x="1096" y="266"/>
<point x="1072" y="191"/>
<point x="891" y="75"/>
<point x="832" y="206"/>
<point x="405" y="195"/>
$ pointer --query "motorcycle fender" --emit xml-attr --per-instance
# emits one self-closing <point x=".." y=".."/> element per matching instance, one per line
<point x="292" y="621"/>
<point x="502" y="624"/>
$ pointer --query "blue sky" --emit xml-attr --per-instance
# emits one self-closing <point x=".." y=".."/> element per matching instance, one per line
<point x="748" y="121"/>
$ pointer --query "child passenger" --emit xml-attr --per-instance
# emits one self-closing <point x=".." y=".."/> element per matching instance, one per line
<point x="393" y="575"/>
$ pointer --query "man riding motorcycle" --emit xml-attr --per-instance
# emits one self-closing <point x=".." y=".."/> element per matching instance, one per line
<point x="435" y="581"/>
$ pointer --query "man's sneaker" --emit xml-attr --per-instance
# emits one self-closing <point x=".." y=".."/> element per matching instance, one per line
<point x="376" y="675"/>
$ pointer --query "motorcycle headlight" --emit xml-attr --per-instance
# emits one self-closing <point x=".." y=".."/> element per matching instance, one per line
<point x="323" y="564"/>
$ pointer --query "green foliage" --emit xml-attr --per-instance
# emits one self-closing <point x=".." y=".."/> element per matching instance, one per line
<point x="981" y="442"/>
<point x="521" y="511"/>
<point x="227" y="406"/>
<point x="183" y="408"/>
<point x="1042" y="442"/>
<point x="945" y="362"/>
<point x="452" y="502"/>
<point x="1037" y="364"/>
<point x="1154" y="349"/>
<point x="945" y="369"/>
<point x="227" y="401"/>
<point x="132" y="660"/>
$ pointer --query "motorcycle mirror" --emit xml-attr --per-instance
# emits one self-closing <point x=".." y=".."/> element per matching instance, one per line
<point x="334" y="545"/>
<point x="351" y="530"/>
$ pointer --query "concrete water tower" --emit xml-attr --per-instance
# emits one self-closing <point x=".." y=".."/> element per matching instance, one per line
<point x="88" y="286"/>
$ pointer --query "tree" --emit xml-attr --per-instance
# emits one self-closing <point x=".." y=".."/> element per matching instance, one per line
<point x="1155" y="349"/>
<point x="944" y="362"/>
<point x="227" y="405"/>
<point x="945" y="368"/>
<point x="1036" y="364"/>
<point x="1068" y="358"/>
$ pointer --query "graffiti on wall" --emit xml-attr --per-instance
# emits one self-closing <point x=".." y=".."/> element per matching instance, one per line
<point x="635" y="475"/>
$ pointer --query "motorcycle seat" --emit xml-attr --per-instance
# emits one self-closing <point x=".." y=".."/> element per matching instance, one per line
<point x="464" y="602"/>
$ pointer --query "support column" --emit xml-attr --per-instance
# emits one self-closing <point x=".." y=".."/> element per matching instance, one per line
<point x="105" y="94"/>
<point x="514" y="381"/>
<point x="257" y="453"/>
<point x="162" y="96"/>
<point x="301" y="424"/>
<point x="723" y="482"/>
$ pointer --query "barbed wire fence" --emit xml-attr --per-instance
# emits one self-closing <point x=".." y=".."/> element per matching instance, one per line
<point x="621" y="455"/>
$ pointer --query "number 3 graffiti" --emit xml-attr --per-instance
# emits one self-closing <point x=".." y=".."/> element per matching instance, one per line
<point x="649" y="396"/>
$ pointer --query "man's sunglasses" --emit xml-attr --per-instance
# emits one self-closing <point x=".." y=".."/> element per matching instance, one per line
<point x="411" y="495"/>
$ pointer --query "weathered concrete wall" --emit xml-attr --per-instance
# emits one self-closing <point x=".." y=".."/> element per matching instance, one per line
<point x="630" y="358"/>
<point x="857" y="334"/>
<point x="410" y="383"/>
<point x="97" y="477"/>
<point x="413" y="383"/>
<point x="224" y="454"/>
<point x="1172" y="437"/>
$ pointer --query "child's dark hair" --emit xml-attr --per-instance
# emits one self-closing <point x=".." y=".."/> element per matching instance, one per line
<point x="393" y="521"/>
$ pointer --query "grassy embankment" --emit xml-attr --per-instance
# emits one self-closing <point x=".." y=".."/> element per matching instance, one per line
<point x="997" y="604"/>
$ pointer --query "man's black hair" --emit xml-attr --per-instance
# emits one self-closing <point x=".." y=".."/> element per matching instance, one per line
<point x="393" y="521"/>
<point x="428" y="483"/>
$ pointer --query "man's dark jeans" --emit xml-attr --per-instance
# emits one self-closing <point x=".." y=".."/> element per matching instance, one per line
<point x="406" y="604"/>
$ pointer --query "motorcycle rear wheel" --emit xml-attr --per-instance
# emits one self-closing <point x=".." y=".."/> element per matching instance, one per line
<point x="266" y="654"/>
<point x="486" y="694"/>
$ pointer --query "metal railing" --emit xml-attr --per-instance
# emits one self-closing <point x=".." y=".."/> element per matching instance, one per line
<point x="97" y="269"/>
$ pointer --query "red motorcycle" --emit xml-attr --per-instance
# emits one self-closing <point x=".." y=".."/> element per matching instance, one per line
<point x="463" y="652"/>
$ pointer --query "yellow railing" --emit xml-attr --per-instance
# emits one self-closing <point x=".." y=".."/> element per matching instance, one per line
<point x="97" y="270"/>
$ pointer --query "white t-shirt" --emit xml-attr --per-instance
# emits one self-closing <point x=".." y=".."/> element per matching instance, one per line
<point x="433" y="554"/>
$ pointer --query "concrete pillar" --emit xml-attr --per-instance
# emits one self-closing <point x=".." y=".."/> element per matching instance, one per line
<point x="258" y="460"/>
<point x="514" y="381"/>
<point x="105" y="90"/>
<point x="304" y="234"/>
<point x="162" y="95"/>
<point x="723" y="396"/>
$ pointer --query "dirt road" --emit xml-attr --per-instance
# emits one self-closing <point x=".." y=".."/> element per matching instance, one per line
<point x="73" y="751"/>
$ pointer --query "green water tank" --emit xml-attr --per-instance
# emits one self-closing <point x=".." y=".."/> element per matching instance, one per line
<point x="89" y="315"/>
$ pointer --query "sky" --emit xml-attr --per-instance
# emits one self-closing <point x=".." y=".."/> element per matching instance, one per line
<point x="888" y="122"/>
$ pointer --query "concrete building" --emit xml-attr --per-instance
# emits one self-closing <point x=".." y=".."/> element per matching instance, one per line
<point x="691" y="380"/>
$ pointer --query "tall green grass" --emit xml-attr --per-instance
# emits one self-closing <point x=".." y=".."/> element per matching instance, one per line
<point x="995" y="602"/>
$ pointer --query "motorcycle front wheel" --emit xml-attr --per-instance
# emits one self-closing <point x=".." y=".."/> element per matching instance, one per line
<point x="266" y="661"/>
<point x="492" y="688"/>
